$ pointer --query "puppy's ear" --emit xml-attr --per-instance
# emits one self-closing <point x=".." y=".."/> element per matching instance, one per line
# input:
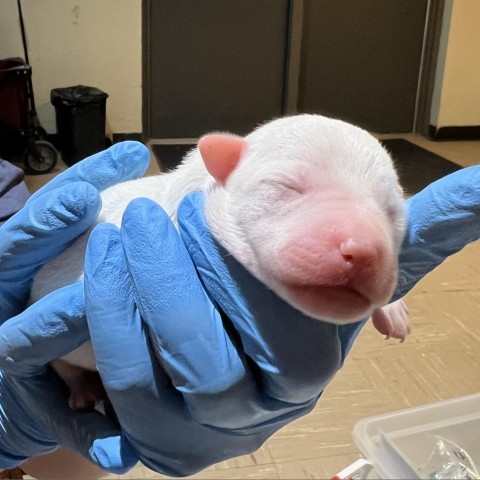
<point x="221" y="153"/>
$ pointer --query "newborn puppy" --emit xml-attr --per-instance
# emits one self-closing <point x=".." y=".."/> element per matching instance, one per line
<point x="311" y="206"/>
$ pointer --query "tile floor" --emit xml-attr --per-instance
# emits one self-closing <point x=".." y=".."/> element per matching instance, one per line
<point x="439" y="360"/>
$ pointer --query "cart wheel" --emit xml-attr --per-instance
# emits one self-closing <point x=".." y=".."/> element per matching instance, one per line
<point x="40" y="157"/>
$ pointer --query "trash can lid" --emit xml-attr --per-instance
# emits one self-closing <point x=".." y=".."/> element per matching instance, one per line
<point x="77" y="95"/>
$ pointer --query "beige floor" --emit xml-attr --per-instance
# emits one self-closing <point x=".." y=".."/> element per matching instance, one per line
<point x="440" y="360"/>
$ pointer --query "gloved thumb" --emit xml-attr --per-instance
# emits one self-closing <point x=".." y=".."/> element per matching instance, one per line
<point x="50" y="328"/>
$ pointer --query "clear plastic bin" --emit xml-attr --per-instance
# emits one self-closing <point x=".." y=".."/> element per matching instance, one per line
<point x="399" y="444"/>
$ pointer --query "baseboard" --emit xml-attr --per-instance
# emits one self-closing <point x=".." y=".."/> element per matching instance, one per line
<point x="454" y="133"/>
<point x="121" y="137"/>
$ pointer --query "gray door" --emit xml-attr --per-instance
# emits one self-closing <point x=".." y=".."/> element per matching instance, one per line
<point x="360" y="61"/>
<point x="229" y="64"/>
<point x="214" y="65"/>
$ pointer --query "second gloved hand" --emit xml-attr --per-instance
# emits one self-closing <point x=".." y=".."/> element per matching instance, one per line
<point x="34" y="416"/>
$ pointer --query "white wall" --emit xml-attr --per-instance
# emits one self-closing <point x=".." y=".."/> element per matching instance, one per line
<point x="457" y="89"/>
<point x="89" y="42"/>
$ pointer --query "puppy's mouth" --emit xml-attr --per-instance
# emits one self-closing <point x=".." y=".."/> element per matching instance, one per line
<point x="335" y="304"/>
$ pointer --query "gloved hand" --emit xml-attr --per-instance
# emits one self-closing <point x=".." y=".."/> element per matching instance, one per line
<point x="200" y="361"/>
<point x="190" y="389"/>
<point x="34" y="418"/>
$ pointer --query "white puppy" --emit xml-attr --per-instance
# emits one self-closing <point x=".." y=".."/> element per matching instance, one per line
<point x="311" y="206"/>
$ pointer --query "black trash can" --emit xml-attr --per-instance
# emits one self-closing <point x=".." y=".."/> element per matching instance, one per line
<point x="80" y="114"/>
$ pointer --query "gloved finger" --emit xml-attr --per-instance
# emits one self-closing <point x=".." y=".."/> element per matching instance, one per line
<point x="123" y="161"/>
<point x="118" y="337"/>
<point x="294" y="355"/>
<point x="128" y="368"/>
<point x="48" y="329"/>
<point x="183" y="323"/>
<point x="36" y="234"/>
<point x="442" y="219"/>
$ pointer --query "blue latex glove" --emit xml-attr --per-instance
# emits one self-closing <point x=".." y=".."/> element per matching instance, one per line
<point x="33" y="416"/>
<point x="195" y="390"/>
<point x="190" y="389"/>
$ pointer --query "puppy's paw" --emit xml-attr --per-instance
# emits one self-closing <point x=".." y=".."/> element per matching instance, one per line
<point x="87" y="392"/>
<point x="393" y="320"/>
